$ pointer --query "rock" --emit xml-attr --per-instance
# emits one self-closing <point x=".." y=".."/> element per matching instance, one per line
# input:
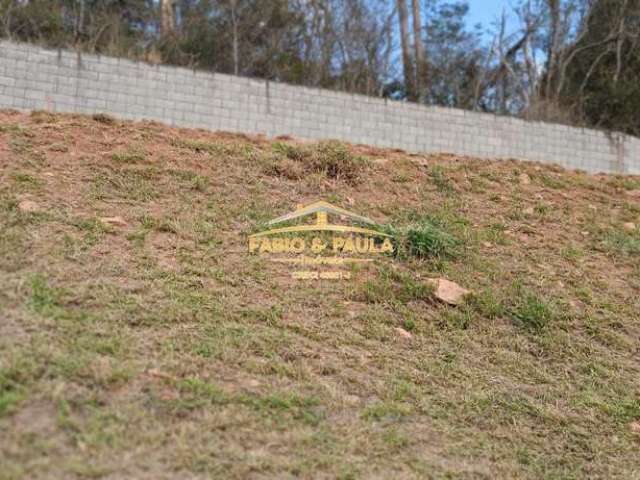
<point x="253" y="383"/>
<point x="403" y="333"/>
<point x="487" y="244"/>
<point x="635" y="427"/>
<point x="629" y="226"/>
<point x="592" y="207"/>
<point x="524" y="179"/>
<point x="447" y="291"/>
<point x="529" y="211"/>
<point x="29" y="206"/>
<point x="114" y="221"/>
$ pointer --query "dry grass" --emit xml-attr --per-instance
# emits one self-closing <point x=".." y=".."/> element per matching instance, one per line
<point x="160" y="349"/>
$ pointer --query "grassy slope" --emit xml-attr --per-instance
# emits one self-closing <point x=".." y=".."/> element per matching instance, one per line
<point x="160" y="349"/>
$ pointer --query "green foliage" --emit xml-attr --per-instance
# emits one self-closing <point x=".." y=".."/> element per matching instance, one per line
<point x="602" y="81"/>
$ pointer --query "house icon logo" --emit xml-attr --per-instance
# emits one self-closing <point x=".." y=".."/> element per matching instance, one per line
<point x="321" y="242"/>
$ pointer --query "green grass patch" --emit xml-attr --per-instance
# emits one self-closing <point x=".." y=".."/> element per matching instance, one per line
<point x="618" y="242"/>
<point x="529" y="310"/>
<point x="136" y="185"/>
<point x="132" y="155"/>
<point x="44" y="299"/>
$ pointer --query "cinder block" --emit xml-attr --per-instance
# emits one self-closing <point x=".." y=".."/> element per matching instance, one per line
<point x="32" y="77"/>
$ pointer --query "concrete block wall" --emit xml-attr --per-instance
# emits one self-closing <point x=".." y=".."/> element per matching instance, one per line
<point x="33" y="78"/>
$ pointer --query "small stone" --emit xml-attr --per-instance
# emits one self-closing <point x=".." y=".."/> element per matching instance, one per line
<point x="629" y="226"/>
<point x="585" y="233"/>
<point x="352" y="400"/>
<point x="524" y="179"/>
<point x="487" y="244"/>
<point x="635" y="427"/>
<point x="447" y="291"/>
<point x="154" y="372"/>
<point x="168" y="395"/>
<point x="593" y="207"/>
<point x="529" y="211"/>
<point x="403" y="333"/>
<point x="253" y="383"/>
<point x="29" y="206"/>
<point x="114" y="221"/>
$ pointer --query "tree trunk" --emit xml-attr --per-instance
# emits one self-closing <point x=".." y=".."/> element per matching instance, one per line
<point x="168" y="21"/>
<point x="553" y="47"/>
<point x="407" y="63"/>
<point x="421" y="59"/>
<point x="234" y="25"/>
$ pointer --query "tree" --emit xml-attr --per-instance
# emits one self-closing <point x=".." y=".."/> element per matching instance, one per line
<point x="456" y="61"/>
<point x="601" y="83"/>
<point x="407" y="59"/>
<point x="167" y="15"/>
<point x="421" y="60"/>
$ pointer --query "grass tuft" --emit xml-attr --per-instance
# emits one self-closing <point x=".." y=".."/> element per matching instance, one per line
<point x="428" y="240"/>
<point x="104" y="118"/>
<point x="132" y="155"/>
<point x="529" y="310"/>
<point x="331" y="159"/>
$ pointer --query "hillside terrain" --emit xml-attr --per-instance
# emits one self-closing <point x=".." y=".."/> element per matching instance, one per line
<point x="140" y="339"/>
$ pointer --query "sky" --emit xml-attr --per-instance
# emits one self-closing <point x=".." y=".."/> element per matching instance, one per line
<point x="486" y="11"/>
